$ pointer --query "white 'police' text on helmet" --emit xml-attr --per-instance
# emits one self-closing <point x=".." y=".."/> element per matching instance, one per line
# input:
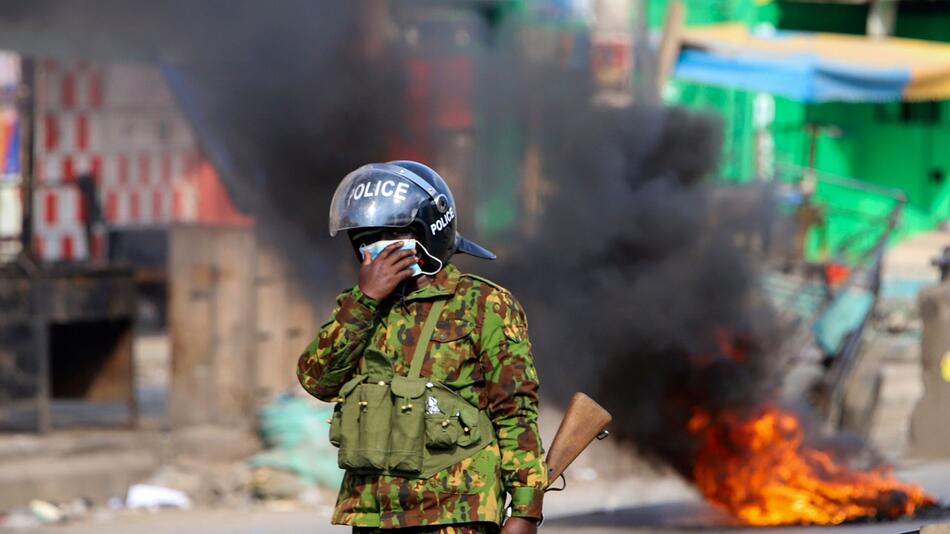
<point x="402" y="194"/>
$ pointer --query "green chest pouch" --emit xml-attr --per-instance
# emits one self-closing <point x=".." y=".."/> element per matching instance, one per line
<point x="405" y="426"/>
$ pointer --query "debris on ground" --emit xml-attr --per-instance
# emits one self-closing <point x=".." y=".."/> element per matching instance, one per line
<point x="19" y="519"/>
<point x="76" y="508"/>
<point x="39" y="512"/>
<point x="170" y="476"/>
<point x="214" y="466"/>
<point x="45" y="512"/>
<point x="155" y="497"/>
<point x="206" y="483"/>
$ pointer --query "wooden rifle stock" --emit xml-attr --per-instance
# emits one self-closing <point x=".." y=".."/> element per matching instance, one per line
<point x="583" y="421"/>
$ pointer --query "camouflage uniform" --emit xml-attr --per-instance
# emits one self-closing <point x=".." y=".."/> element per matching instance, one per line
<point x="481" y="350"/>
<point x="468" y="528"/>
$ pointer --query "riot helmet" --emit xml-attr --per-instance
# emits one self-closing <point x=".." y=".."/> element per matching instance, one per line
<point x="401" y="194"/>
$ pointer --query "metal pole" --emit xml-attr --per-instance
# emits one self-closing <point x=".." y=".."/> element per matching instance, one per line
<point x="882" y="18"/>
<point x="26" y="104"/>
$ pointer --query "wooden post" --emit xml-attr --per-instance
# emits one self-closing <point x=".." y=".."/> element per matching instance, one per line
<point x="286" y="322"/>
<point x="670" y="43"/>
<point x="929" y="433"/>
<point x="212" y="324"/>
<point x="271" y="292"/>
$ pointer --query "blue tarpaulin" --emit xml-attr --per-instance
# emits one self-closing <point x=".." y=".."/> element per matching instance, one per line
<point x="815" y="67"/>
<point x="801" y="77"/>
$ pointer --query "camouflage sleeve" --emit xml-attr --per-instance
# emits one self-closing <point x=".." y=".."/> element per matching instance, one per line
<point x="330" y="359"/>
<point x="512" y="390"/>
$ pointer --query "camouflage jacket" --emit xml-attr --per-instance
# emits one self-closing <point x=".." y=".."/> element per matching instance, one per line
<point x="480" y="349"/>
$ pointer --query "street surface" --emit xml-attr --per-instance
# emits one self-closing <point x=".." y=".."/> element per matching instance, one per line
<point x="634" y="505"/>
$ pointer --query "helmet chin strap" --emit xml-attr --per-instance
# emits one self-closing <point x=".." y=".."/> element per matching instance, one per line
<point x="437" y="260"/>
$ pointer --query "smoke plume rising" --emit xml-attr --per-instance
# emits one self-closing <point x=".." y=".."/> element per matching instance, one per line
<point x="629" y="283"/>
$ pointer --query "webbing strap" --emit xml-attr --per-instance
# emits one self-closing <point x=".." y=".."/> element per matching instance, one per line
<point x="422" y="344"/>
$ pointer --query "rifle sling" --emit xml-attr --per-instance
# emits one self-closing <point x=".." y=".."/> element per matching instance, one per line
<point x="422" y="344"/>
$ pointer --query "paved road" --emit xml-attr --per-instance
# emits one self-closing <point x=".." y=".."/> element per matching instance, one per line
<point x="635" y="506"/>
<point x="667" y="518"/>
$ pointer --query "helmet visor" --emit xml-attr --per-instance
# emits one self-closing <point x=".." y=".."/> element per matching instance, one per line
<point x="374" y="196"/>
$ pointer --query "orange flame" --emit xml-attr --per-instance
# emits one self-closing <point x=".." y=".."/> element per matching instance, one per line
<point x="759" y="470"/>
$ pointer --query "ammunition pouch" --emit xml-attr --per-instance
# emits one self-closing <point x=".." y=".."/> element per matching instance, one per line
<point x="409" y="428"/>
<point x="406" y="426"/>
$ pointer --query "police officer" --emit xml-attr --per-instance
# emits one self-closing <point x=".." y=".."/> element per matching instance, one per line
<point x="401" y="219"/>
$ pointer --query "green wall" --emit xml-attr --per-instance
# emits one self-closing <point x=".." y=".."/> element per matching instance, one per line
<point x="711" y="11"/>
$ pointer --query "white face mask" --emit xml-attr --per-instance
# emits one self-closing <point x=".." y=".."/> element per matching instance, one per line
<point x="407" y="244"/>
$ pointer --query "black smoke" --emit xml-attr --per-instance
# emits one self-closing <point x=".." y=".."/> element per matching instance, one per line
<point x="286" y="112"/>
<point x="636" y="291"/>
<point x="285" y="97"/>
<point x="629" y="281"/>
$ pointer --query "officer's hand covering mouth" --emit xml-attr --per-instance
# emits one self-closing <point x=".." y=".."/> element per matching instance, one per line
<point x="407" y="244"/>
